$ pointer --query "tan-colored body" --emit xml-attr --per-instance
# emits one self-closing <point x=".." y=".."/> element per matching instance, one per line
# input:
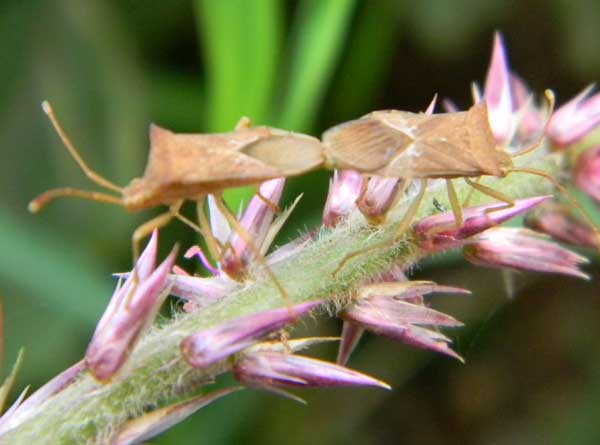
<point x="185" y="166"/>
<point x="404" y="145"/>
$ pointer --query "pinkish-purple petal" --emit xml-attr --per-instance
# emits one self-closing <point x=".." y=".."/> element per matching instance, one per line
<point x="497" y="93"/>
<point x="575" y="119"/>
<point x="437" y="233"/>
<point x="530" y="121"/>
<point x="212" y="345"/>
<point x="344" y="190"/>
<point x="283" y="370"/>
<point x="523" y="249"/>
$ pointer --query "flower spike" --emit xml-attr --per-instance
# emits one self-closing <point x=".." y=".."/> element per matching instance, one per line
<point x="212" y="345"/>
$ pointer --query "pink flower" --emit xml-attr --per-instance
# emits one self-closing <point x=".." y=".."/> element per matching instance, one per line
<point x="559" y="222"/>
<point x="587" y="173"/>
<point x="385" y="309"/>
<point x="575" y="119"/>
<point x="128" y="313"/>
<point x="523" y="249"/>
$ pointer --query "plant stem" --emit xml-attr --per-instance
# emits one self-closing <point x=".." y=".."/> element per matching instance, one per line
<point x="88" y="412"/>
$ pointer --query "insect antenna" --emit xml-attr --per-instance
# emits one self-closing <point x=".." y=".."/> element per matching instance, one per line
<point x="550" y="98"/>
<point x="50" y="195"/>
<point x="565" y="193"/>
<point x="41" y="200"/>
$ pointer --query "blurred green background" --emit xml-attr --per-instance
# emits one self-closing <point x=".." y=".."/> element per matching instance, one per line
<point x="111" y="67"/>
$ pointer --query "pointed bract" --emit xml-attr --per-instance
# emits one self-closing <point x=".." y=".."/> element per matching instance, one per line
<point x="498" y="94"/>
<point x="127" y="314"/>
<point x="529" y="122"/>
<point x="523" y="249"/>
<point x="438" y="232"/>
<point x="351" y="335"/>
<point x="155" y="422"/>
<point x="283" y="370"/>
<point x="215" y="344"/>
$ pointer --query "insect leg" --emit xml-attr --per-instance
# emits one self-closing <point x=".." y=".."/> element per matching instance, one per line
<point x="456" y="208"/>
<point x="270" y="204"/>
<point x="155" y="223"/>
<point x="211" y="242"/>
<point x="565" y="193"/>
<point x="492" y="193"/>
<point x="91" y="174"/>
<point x="550" y="98"/>
<point x="402" y="227"/>
<point x="467" y="200"/>
<point x="239" y="229"/>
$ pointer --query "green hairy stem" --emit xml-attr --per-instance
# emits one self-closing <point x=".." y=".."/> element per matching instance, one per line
<point x="88" y="412"/>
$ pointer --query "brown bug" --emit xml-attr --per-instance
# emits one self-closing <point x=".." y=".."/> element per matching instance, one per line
<point x="189" y="167"/>
<point x="410" y="146"/>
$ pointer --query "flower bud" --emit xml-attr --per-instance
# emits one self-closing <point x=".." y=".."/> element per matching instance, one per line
<point x="212" y="345"/>
<point x="575" y="119"/>
<point x="523" y="249"/>
<point x="344" y="190"/>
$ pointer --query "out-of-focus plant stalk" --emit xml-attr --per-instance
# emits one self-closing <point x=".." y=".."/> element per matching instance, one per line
<point x="87" y="412"/>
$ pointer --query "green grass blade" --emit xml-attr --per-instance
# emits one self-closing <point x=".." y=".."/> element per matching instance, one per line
<point x="318" y="38"/>
<point x="240" y="42"/>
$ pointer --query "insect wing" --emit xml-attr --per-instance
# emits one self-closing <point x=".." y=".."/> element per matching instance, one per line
<point x="289" y="153"/>
<point x="367" y="144"/>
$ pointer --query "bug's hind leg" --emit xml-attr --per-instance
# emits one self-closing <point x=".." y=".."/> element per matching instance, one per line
<point x="508" y="202"/>
<point x="239" y="229"/>
<point x="402" y="227"/>
<point x="456" y="207"/>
